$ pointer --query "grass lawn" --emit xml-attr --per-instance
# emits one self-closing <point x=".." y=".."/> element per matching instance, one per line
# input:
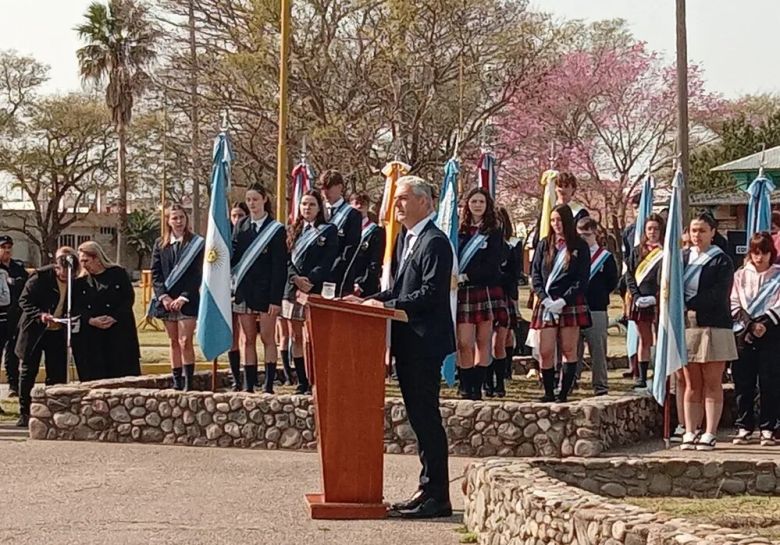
<point x="750" y="514"/>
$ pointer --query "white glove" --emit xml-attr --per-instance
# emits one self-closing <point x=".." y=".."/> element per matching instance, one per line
<point x="463" y="278"/>
<point x="646" y="301"/>
<point x="555" y="306"/>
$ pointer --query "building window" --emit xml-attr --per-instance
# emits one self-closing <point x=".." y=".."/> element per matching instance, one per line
<point x="67" y="240"/>
<point x="83" y="238"/>
<point x="108" y="231"/>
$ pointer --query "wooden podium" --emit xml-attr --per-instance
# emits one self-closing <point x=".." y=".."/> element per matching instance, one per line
<point x="346" y="351"/>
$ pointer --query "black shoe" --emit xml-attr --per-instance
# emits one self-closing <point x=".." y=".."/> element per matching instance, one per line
<point x="189" y="377"/>
<point x="416" y="499"/>
<point x="250" y="378"/>
<point x="270" y="374"/>
<point x="548" y="380"/>
<point x="178" y="379"/>
<point x="23" y="422"/>
<point x="12" y="394"/>
<point x="234" y="359"/>
<point x="303" y="380"/>
<point x="640" y="384"/>
<point x="429" y="509"/>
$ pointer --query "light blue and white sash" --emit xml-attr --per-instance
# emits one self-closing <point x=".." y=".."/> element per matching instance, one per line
<point x="253" y="251"/>
<point x="559" y="266"/>
<point x="340" y="217"/>
<point x="367" y="230"/>
<point x="597" y="261"/>
<point x="305" y="241"/>
<point x="692" y="274"/>
<point x="186" y="257"/>
<point x="471" y="248"/>
<point x="760" y="303"/>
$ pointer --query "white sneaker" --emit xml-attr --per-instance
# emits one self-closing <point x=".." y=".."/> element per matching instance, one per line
<point x="677" y="436"/>
<point x="688" y="441"/>
<point x="768" y="438"/>
<point x="743" y="437"/>
<point x="706" y="442"/>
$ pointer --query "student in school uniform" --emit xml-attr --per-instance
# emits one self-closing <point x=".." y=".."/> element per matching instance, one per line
<point x="755" y="308"/>
<point x="348" y="223"/>
<point x="313" y="246"/>
<point x="603" y="279"/>
<point x="367" y="266"/>
<point x="238" y="211"/>
<point x="560" y="272"/>
<point x="643" y="282"/>
<point x="481" y="298"/>
<point x="259" y="273"/>
<point x="709" y="335"/>
<point x="177" y="266"/>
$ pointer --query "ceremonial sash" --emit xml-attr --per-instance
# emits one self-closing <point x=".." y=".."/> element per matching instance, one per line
<point x="253" y="251"/>
<point x="692" y="274"/>
<point x="304" y="243"/>
<point x="648" y="264"/>
<point x="597" y="261"/>
<point x="559" y="265"/>
<point x="186" y="257"/>
<point x="340" y="216"/>
<point x="367" y="230"/>
<point x="760" y="303"/>
<point x="471" y="248"/>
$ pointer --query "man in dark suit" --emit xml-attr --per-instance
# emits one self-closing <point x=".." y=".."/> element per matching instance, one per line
<point x="349" y="223"/>
<point x="43" y="301"/>
<point x="422" y="272"/>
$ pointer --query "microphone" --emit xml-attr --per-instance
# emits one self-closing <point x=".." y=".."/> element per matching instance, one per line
<point x="70" y="260"/>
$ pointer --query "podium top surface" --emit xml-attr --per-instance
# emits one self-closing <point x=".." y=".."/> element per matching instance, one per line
<point x="352" y="308"/>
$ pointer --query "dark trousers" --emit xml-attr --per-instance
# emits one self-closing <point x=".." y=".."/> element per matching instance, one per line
<point x="8" y="333"/>
<point x="757" y="363"/>
<point x="52" y="346"/>
<point x="420" y="382"/>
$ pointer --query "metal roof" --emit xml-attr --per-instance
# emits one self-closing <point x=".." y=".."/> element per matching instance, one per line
<point x="726" y="197"/>
<point x="751" y="163"/>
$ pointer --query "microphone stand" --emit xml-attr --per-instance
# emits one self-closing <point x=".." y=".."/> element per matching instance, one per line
<point x="69" y="325"/>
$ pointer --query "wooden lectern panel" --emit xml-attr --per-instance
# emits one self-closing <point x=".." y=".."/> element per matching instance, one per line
<point x="347" y="343"/>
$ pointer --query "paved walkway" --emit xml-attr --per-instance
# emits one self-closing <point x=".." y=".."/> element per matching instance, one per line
<point x="121" y="494"/>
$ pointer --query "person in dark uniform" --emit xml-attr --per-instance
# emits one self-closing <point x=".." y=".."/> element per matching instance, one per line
<point x="481" y="297"/>
<point x="16" y="276"/>
<point x="368" y="262"/>
<point x="643" y="277"/>
<point x="106" y="345"/>
<point x="313" y="244"/>
<point x="560" y="273"/>
<point x="259" y="266"/>
<point x="43" y="301"/>
<point x="348" y="222"/>
<point x="238" y="211"/>
<point x="177" y="267"/>
<point x="422" y="272"/>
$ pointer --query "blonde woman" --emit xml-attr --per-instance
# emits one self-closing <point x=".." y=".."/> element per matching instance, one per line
<point x="106" y="345"/>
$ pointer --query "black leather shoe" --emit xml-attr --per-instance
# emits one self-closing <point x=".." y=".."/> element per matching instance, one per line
<point x="416" y="499"/>
<point x="429" y="509"/>
<point x="23" y="422"/>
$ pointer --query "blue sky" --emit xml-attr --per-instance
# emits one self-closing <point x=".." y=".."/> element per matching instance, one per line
<point x="733" y="40"/>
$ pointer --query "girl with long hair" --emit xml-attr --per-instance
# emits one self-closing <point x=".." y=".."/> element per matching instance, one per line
<point x="238" y="211"/>
<point x="177" y="267"/>
<point x="643" y="276"/>
<point x="259" y="272"/>
<point x="560" y="272"/>
<point x="481" y="297"/>
<point x="313" y="246"/>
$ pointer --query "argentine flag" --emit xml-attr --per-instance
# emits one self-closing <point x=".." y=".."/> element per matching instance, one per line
<point x="759" y="216"/>
<point x="215" y="322"/>
<point x="645" y="209"/>
<point x="671" y="353"/>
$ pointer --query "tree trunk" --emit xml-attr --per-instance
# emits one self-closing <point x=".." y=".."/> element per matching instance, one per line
<point x="195" y="145"/>
<point x="121" y="229"/>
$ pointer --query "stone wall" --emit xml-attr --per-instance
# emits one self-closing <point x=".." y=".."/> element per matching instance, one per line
<point x="141" y="409"/>
<point x="516" y="502"/>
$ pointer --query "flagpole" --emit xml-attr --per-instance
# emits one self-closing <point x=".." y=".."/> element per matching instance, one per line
<point x="281" y="155"/>
<point x="668" y="414"/>
<point x="214" y="366"/>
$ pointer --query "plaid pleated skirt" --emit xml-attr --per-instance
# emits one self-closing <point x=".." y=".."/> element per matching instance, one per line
<point x="576" y="315"/>
<point x="511" y="307"/>
<point x="647" y="314"/>
<point x="477" y="304"/>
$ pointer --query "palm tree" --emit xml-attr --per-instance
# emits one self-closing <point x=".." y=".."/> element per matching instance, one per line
<point x="143" y="229"/>
<point x="120" y="47"/>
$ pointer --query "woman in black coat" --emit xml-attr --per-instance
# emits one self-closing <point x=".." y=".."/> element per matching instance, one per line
<point x="259" y="265"/>
<point x="313" y="245"/>
<point x="177" y="267"/>
<point x="107" y="343"/>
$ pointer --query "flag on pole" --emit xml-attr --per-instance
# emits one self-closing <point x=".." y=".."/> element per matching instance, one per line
<point x="644" y="210"/>
<point x="215" y="318"/>
<point x="759" y="216"/>
<point x="487" y="173"/>
<point x="670" y="350"/>
<point x="447" y="221"/>
<point x="302" y="176"/>
<point x="549" y="182"/>
<point x="392" y="171"/>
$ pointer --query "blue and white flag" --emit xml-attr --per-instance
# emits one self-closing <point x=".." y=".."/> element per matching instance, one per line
<point x="671" y="353"/>
<point x="645" y="209"/>
<point x="215" y="318"/>
<point x="759" y="216"/>
<point x="447" y="221"/>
